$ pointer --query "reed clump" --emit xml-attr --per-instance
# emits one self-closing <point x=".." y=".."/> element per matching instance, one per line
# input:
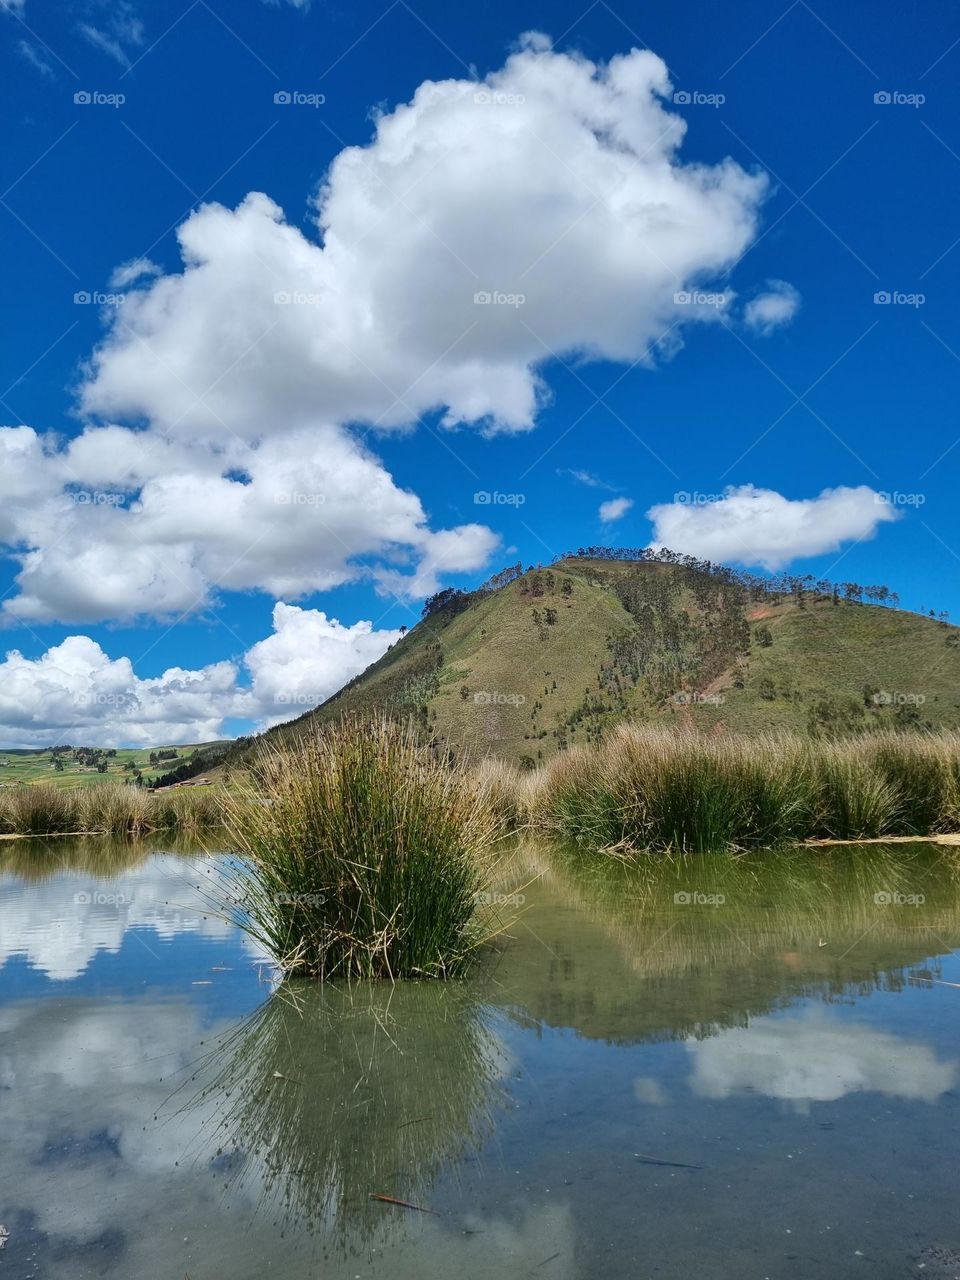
<point x="40" y="809"/>
<point x="362" y="855"/>
<point x="109" y="808"/>
<point x="652" y="789"/>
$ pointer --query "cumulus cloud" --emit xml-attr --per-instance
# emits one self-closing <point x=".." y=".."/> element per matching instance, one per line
<point x="773" y="308"/>
<point x="125" y="523"/>
<point x="486" y="225"/>
<point x="615" y="509"/>
<point x="307" y="658"/>
<point x="75" y="692"/>
<point x="762" y="527"/>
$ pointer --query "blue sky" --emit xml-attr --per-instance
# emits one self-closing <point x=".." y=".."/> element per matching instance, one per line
<point x="233" y="449"/>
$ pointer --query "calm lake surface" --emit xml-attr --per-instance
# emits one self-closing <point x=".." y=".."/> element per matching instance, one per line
<point x="712" y="1068"/>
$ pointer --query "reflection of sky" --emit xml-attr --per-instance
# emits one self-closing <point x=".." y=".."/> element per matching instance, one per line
<point x="105" y="1171"/>
<point x="105" y="1012"/>
<point x="61" y="925"/>
<point x="815" y="1059"/>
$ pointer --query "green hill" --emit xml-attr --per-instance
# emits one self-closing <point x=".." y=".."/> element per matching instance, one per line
<point x="542" y="659"/>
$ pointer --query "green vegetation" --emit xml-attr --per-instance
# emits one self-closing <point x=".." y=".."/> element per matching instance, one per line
<point x="108" y="807"/>
<point x="543" y="659"/>
<point x="363" y="854"/>
<point x="650" y="789"/>
<point x="77" y="766"/>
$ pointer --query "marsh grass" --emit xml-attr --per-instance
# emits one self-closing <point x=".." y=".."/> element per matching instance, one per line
<point x="362" y="855"/>
<point x="651" y="789"/>
<point x="40" y="809"/>
<point x="110" y="808"/>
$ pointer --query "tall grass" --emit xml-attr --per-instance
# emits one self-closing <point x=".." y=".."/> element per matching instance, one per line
<point x="646" y="788"/>
<point x="363" y="855"/>
<point x="41" y="808"/>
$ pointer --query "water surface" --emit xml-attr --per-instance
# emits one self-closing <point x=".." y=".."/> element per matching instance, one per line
<point x="727" y="1068"/>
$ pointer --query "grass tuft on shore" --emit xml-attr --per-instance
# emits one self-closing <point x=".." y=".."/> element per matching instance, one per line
<point x="647" y="789"/>
<point x="362" y="854"/>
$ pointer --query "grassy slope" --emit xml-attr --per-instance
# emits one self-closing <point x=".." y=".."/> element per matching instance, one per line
<point x="820" y="652"/>
<point x="35" y="766"/>
<point x="831" y="652"/>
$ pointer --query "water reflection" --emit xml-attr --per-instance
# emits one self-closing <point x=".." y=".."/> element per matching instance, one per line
<point x="807" y="1059"/>
<point x="325" y="1097"/>
<point x="163" y="1114"/>
<point x="694" y="946"/>
<point x="66" y="901"/>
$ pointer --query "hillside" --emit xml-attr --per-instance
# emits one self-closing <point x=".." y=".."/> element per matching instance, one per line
<point x="549" y="657"/>
<point x="76" y="766"/>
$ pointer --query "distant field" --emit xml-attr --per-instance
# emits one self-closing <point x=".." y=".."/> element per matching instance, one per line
<point x="37" y="766"/>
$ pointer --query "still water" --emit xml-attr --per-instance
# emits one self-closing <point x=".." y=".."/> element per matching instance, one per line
<point x="714" y="1068"/>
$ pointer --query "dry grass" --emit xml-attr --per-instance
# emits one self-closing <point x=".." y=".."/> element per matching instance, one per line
<point x="644" y="788"/>
<point x="363" y="855"/>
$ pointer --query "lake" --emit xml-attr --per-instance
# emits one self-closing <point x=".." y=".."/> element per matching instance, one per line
<point x="715" y="1067"/>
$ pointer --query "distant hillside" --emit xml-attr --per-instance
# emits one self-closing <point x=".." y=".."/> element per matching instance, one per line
<point x="543" y="658"/>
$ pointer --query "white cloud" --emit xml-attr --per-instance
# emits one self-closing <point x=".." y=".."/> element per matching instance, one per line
<point x="615" y="509"/>
<point x="760" y="526"/>
<point x="122" y="33"/>
<point x="584" y="477"/>
<point x="122" y="523"/>
<point x="129" y="272"/>
<point x="75" y="692"/>
<point x="36" y="59"/>
<point x="804" y="1060"/>
<point x="555" y="179"/>
<point x="308" y="658"/>
<point x="13" y="6"/>
<point x="773" y="308"/>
